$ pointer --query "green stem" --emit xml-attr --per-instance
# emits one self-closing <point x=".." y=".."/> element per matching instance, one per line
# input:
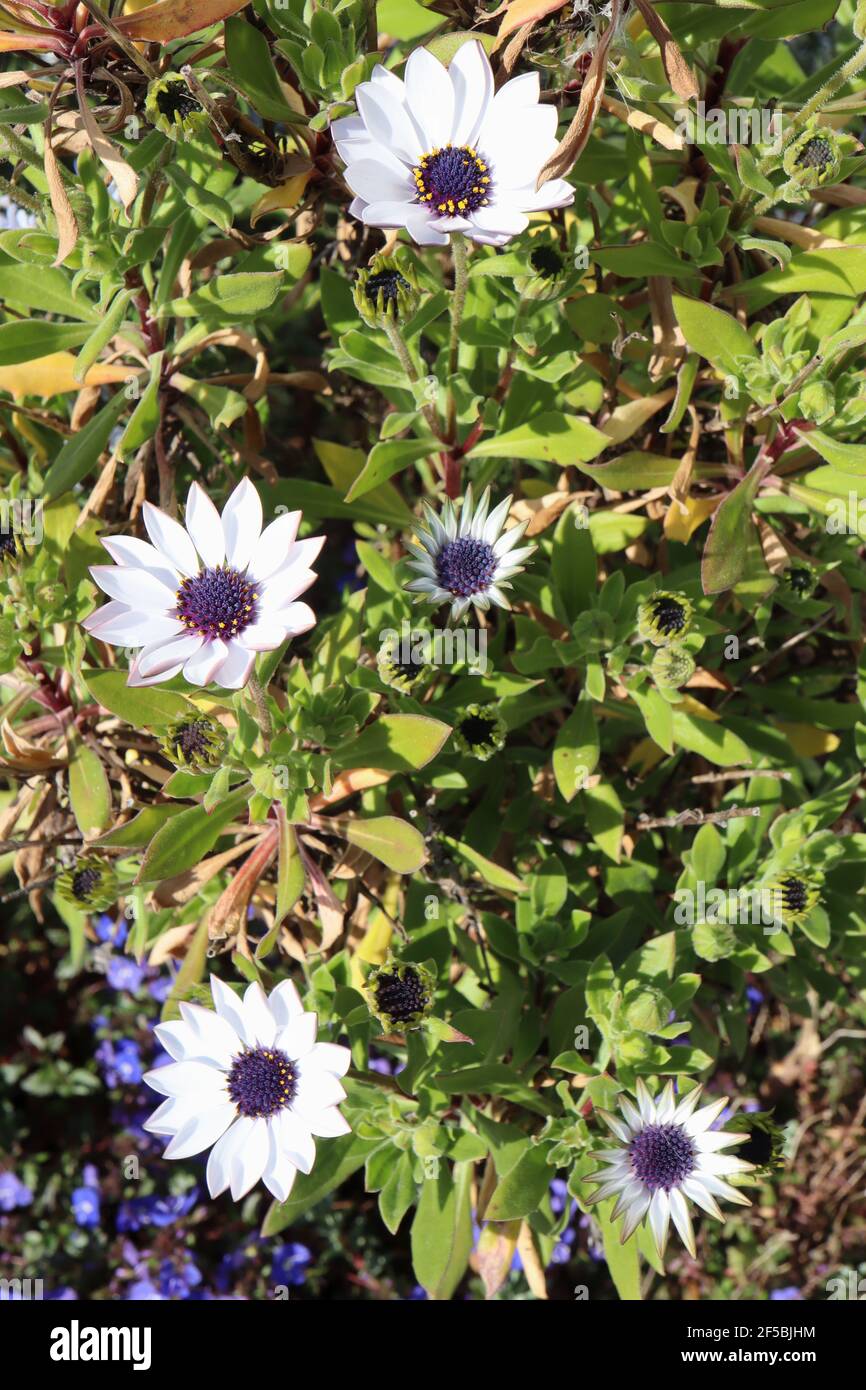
<point x="398" y="343"/>
<point x="459" y="257"/>
<point x="261" y="704"/>
<point x="17" y="195"/>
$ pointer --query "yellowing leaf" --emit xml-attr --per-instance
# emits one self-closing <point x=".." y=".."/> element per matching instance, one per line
<point x="282" y="199"/>
<point x="694" y="707"/>
<point x="808" y="742"/>
<point x="52" y="376"/>
<point x="526" y="12"/>
<point x="682" y="520"/>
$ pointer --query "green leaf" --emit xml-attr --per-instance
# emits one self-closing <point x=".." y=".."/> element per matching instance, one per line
<point x="717" y="336"/>
<point x="394" y="842"/>
<point x="89" y="791"/>
<point x="576" y="751"/>
<point x="231" y="297"/>
<point x="623" y="1261"/>
<point x="850" y="458"/>
<point x="50" y="291"/>
<point x="290" y="870"/>
<point x="398" y="1194"/>
<point x="187" y="838"/>
<point x="394" y="743"/>
<point x="142" y="706"/>
<point x="715" y="743"/>
<point x="139" y="831"/>
<point x="81" y="453"/>
<point x="386" y="459"/>
<point x="574" y="568"/>
<point x="726" y="552"/>
<point x="251" y="65"/>
<point x="561" y="439"/>
<point x="521" y="1191"/>
<point x="27" y="339"/>
<point x="102" y="334"/>
<point x="442" y="1230"/>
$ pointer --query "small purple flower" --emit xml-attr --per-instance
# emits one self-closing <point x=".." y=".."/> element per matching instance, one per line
<point x="782" y="1295"/>
<point x="85" y="1206"/>
<point x="144" y="1290"/>
<point x="155" y="1211"/>
<point x="64" y="1292"/>
<point x="124" y="974"/>
<point x="177" y="1280"/>
<point x="13" y="1193"/>
<point x="108" y="928"/>
<point x="290" y="1264"/>
<point x="121" y="1062"/>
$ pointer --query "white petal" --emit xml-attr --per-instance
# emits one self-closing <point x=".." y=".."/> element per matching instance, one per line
<point x="553" y="193"/>
<point x="159" y="654"/>
<point x="138" y="629"/>
<point x="645" y="1102"/>
<point x="203" y="665"/>
<point x="171" y="539"/>
<point x="659" y="1219"/>
<point x="229" y="1007"/>
<point x="217" y="1039"/>
<point x="262" y="637"/>
<point x="201" y="1132"/>
<point x="376" y="181"/>
<point x="261" y="1027"/>
<point x="274" y="546"/>
<point x="108" y="613"/>
<point x="698" y="1193"/>
<point x="682" y="1220"/>
<point x="316" y="1091"/>
<point x="330" y="1057"/>
<point x="666" y="1105"/>
<point x="280" y="1172"/>
<point x="173" y="1114"/>
<point x="327" y="1123"/>
<point x="234" y="670"/>
<point x="285" y="1003"/>
<point x="388" y="121"/>
<point x="249" y="1158"/>
<point x="298" y="1037"/>
<point x="714" y="1139"/>
<point x="181" y="1078"/>
<point x="138" y="588"/>
<point x="515" y="95"/>
<point x="430" y="98"/>
<point x="472" y="80"/>
<point x="221" y="1156"/>
<point x="136" y="679"/>
<point x="129" y="550"/>
<point x="242" y="524"/>
<point x="620" y="1129"/>
<point x="204" y="526"/>
<point x="503" y="220"/>
<point x="179" y="1040"/>
<point x="703" y="1118"/>
<point x="635" y="1214"/>
<point x="296" y="619"/>
<point x="720" y="1165"/>
<point x="295" y="1140"/>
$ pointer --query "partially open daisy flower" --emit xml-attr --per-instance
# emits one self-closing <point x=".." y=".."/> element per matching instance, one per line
<point x="205" y="599"/>
<point x="400" y="995"/>
<point x="664" y="618"/>
<point x="793" y="896"/>
<point x="251" y="1080"/>
<point x="89" y="884"/>
<point x="668" y="1155"/>
<point x="467" y="560"/>
<point x="479" y="731"/>
<point x="439" y="152"/>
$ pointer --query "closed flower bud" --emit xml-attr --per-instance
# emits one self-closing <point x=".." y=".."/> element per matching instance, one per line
<point x="793" y="896"/>
<point x="664" y="618"/>
<point x="12" y="549"/>
<point x="801" y="579"/>
<point x="546" y="272"/>
<point x="400" y="675"/>
<point x="89" y="884"/>
<point x="386" y="291"/>
<point x="196" y="741"/>
<point x="400" y="995"/>
<point x="672" y="667"/>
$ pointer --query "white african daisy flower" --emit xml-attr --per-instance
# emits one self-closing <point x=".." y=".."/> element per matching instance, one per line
<point x="470" y="560"/>
<point x="252" y="1081"/>
<point x="206" y="598"/>
<point x="668" y="1156"/>
<point x="439" y="152"/>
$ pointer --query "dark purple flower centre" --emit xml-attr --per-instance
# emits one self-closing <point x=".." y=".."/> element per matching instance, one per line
<point x="662" y="1156"/>
<point x="401" y="999"/>
<point x="217" y="603"/>
<point x="817" y="153"/>
<point x="795" y="894"/>
<point x="477" y="730"/>
<point x="669" y="615"/>
<point x="465" y="566"/>
<point x="453" y="181"/>
<point x="85" y="881"/>
<point x="262" y="1082"/>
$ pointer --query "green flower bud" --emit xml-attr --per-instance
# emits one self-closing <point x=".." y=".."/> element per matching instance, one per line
<point x="814" y="158"/>
<point x="195" y="741"/>
<point x="89" y="884"/>
<point x="664" y="618"/>
<point x="480" y="732"/>
<point x="400" y="995"/>
<point x="400" y="675"/>
<point x="793" y="896"/>
<point x="547" y="271"/>
<point x="13" y="549"/>
<point x="817" y="401"/>
<point x="172" y="108"/>
<point x="386" y="291"/>
<point x="672" y="666"/>
<point x="801" y="579"/>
